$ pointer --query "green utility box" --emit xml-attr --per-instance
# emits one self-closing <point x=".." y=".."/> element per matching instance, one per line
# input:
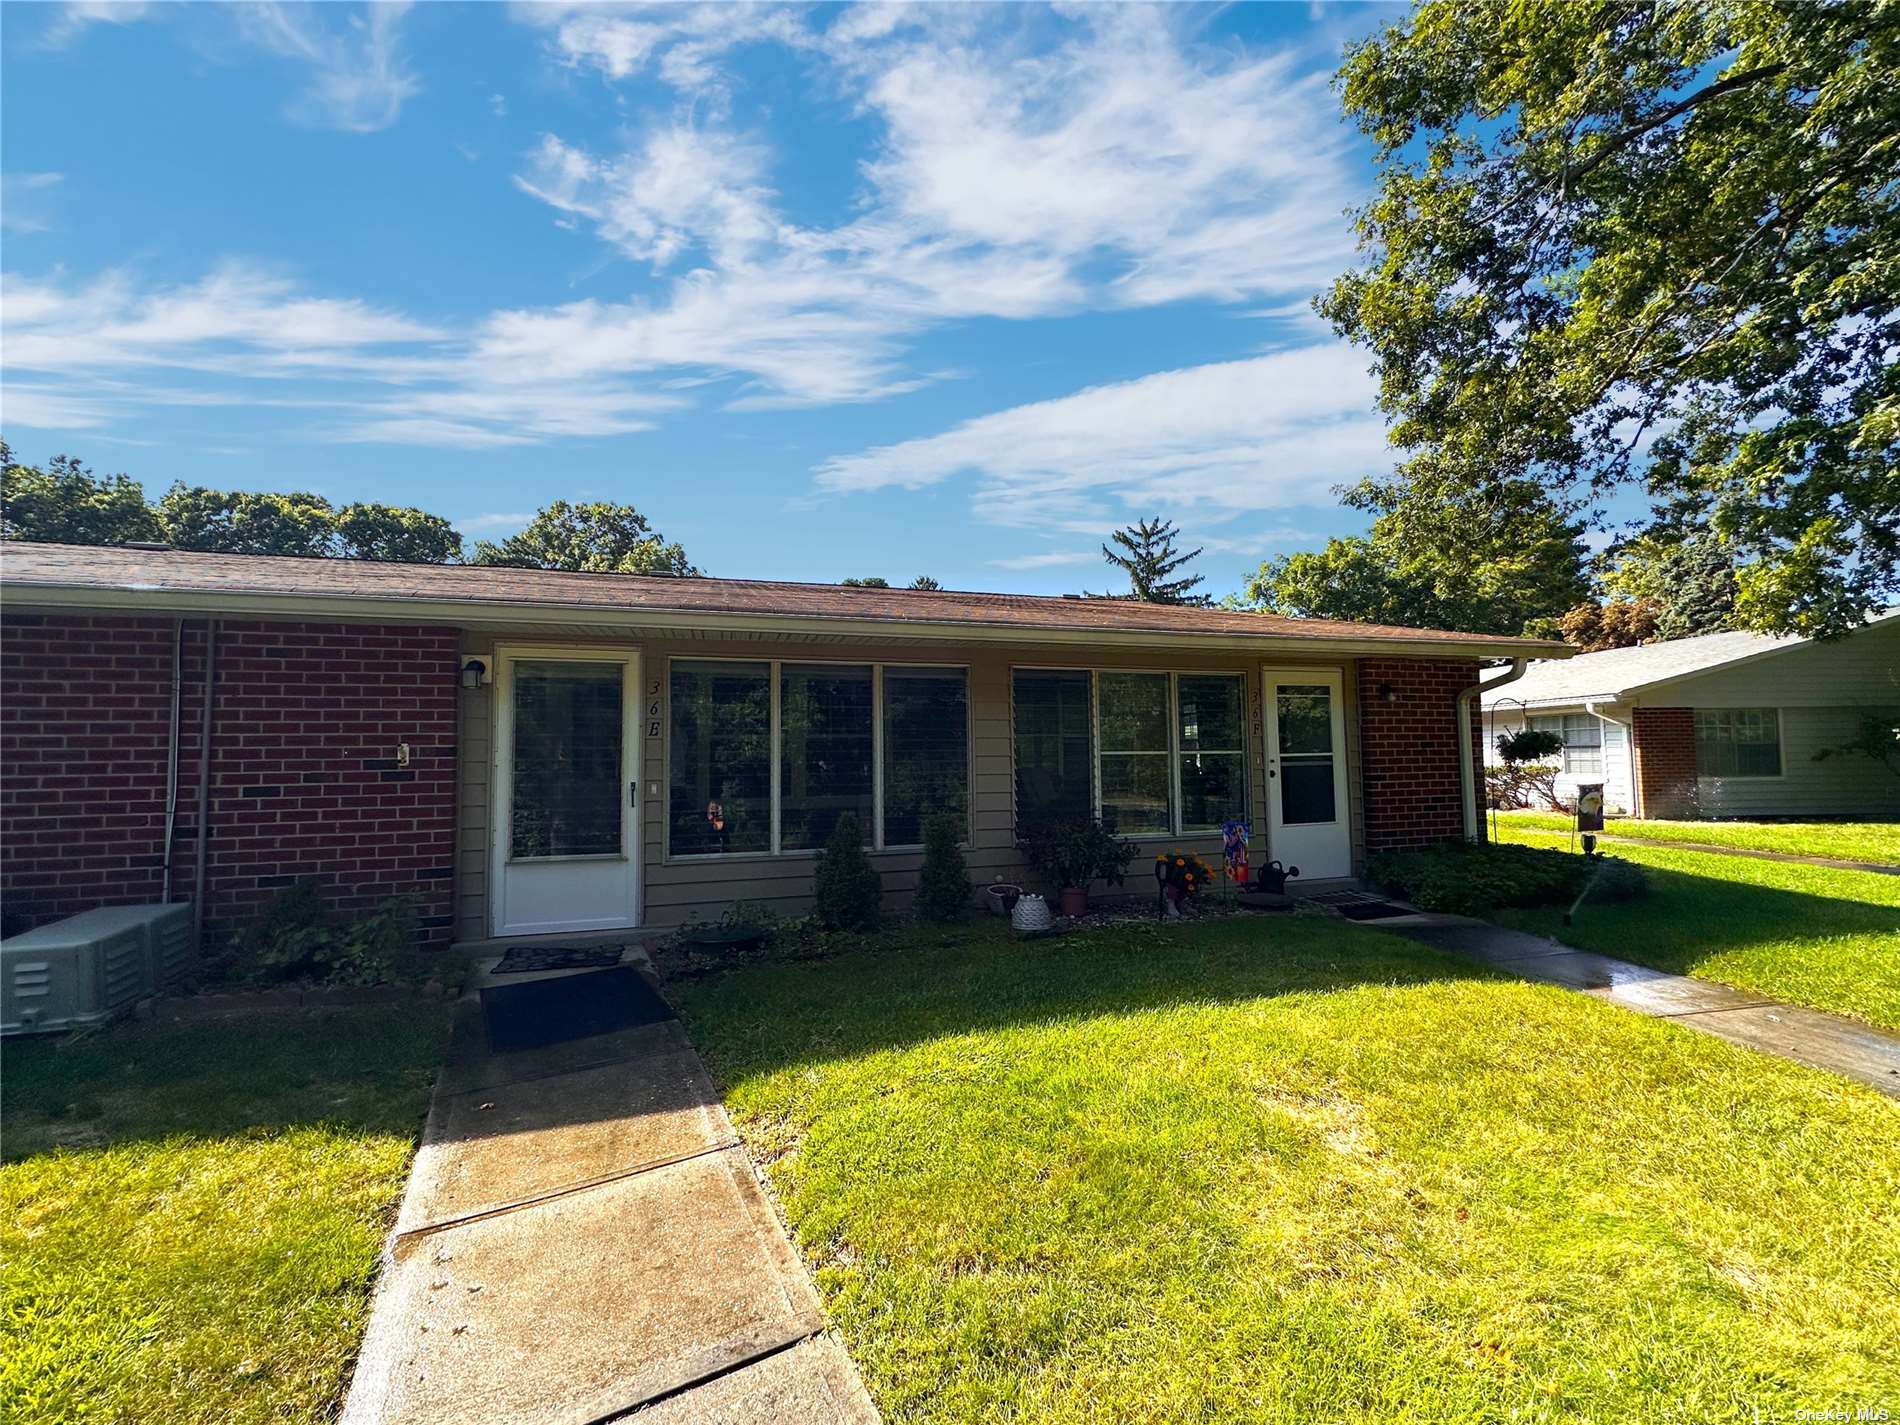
<point x="92" y="966"/>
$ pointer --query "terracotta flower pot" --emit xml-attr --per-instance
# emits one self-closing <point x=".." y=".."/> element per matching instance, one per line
<point x="1075" y="900"/>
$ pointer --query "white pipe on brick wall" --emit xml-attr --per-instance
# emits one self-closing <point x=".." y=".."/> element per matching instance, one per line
<point x="1467" y="771"/>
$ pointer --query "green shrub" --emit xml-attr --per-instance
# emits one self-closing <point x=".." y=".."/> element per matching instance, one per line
<point x="1465" y="878"/>
<point x="846" y="888"/>
<point x="943" y="885"/>
<point x="297" y="937"/>
<point x="1076" y="851"/>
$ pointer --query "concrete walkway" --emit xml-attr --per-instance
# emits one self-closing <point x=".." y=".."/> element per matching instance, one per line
<point x="583" y="1239"/>
<point x="1807" y="1036"/>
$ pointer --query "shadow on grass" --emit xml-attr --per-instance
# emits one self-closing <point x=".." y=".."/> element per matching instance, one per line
<point x="359" y="1069"/>
<point x="1687" y="917"/>
<point x="958" y="981"/>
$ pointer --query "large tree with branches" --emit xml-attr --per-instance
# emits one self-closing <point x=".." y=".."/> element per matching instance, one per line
<point x="1639" y="244"/>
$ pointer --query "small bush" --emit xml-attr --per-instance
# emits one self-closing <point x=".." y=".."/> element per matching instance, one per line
<point x="1075" y="852"/>
<point x="1509" y="786"/>
<point x="846" y="888"/>
<point x="943" y="885"/>
<point x="297" y="937"/>
<point x="1463" y="878"/>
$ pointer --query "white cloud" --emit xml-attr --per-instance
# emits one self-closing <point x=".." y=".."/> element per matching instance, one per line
<point x="359" y="78"/>
<point x="1121" y="168"/>
<point x="1055" y="559"/>
<point x="495" y="520"/>
<point x="1271" y="432"/>
<point x="241" y="336"/>
<point x="21" y="208"/>
<point x="77" y="16"/>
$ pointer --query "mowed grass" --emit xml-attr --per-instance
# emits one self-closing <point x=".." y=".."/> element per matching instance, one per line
<point x="1288" y="1169"/>
<point x="1810" y="935"/>
<point x="193" y="1213"/>
<point x="1876" y="841"/>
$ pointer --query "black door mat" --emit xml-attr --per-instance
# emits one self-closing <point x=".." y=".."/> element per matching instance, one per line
<point x="1357" y="905"/>
<point x="534" y="959"/>
<point x="538" y="1012"/>
<point x="1372" y="910"/>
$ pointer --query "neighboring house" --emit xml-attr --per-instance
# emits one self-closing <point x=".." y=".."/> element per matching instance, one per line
<point x="1725" y="725"/>
<point x="526" y="751"/>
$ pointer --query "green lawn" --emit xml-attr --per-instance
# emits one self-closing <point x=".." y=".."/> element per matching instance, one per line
<point x="190" y="1216"/>
<point x="1291" y="1169"/>
<point x="1877" y="841"/>
<point x="1806" y="934"/>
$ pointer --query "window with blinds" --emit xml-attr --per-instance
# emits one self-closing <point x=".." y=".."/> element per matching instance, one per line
<point x="1583" y="741"/>
<point x="1737" y="742"/>
<point x="828" y="744"/>
<point x="926" y="751"/>
<point x="1054" y="746"/>
<point x="719" y="758"/>
<point x="1137" y="795"/>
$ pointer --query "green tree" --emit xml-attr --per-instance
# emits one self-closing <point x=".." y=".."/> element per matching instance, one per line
<point x="67" y="504"/>
<point x="1690" y="580"/>
<point x="597" y="538"/>
<point x="924" y="581"/>
<point x="1504" y="561"/>
<point x="943" y="881"/>
<point x="1617" y="244"/>
<point x="1151" y="559"/>
<point x="392" y="532"/>
<point x="846" y="888"/>
<point x="241" y="522"/>
<point x="869" y="582"/>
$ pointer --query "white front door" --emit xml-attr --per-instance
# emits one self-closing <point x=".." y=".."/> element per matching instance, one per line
<point x="1307" y="820"/>
<point x="566" y="853"/>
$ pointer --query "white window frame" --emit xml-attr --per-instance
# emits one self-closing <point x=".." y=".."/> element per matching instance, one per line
<point x="1173" y="753"/>
<point x="1563" y="721"/>
<point x="777" y="852"/>
<point x="1781" y="746"/>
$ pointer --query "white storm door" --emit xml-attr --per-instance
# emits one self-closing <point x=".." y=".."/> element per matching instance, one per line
<point x="566" y="848"/>
<point x="1307" y="820"/>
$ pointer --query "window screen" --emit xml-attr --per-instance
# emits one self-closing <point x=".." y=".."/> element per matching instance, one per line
<point x="1054" y="775"/>
<point x="1583" y="741"/>
<point x="1213" y="761"/>
<point x="1737" y="742"/>
<point x="824" y="752"/>
<point x="1135" y="784"/>
<point x="719" y="743"/>
<point x="567" y="792"/>
<point x="926" y="750"/>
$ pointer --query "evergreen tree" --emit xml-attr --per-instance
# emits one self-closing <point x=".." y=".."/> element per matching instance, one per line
<point x="943" y="884"/>
<point x="924" y="581"/>
<point x="846" y="887"/>
<point x="1149" y="562"/>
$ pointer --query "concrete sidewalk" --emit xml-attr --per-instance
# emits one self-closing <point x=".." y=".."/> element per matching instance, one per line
<point x="1807" y="1036"/>
<point x="584" y="1239"/>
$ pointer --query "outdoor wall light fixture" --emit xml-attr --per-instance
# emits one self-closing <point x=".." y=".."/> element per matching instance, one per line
<point x="1388" y="693"/>
<point x="475" y="672"/>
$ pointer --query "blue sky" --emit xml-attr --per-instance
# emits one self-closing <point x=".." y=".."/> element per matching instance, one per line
<point x="822" y="291"/>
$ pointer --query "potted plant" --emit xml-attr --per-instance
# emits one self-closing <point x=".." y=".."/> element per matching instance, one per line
<point x="1072" y="853"/>
<point x="1180" y="875"/>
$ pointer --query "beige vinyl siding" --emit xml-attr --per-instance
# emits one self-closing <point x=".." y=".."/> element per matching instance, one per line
<point x="674" y="889"/>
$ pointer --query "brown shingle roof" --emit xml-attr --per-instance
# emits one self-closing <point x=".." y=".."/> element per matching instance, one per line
<point x="40" y="571"/>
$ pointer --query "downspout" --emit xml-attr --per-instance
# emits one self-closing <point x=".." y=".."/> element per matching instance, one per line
<point x="171" y="754"/>
<point x="1467" y="772"/>
<point x="204" y="784"/>
<point x="1629" y="746"/>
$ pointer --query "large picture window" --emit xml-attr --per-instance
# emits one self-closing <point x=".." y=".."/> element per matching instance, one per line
<point x="926" y="750"/>
<point x="1737" y="742"/>
<point x="1153" y="754"/>
<point x="831" y="731"/>
<point x="1583" y="741"/>
<point x="1055" y="772"/>
<point x="719" y="745"/>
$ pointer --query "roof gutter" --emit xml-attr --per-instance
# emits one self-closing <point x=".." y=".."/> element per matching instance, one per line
<point x="1467" y="770"/>
<point x="151" y="599"/>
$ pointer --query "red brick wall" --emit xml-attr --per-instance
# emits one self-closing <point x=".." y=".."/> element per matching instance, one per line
<point x="304" y="781"/>
<point x="1408" y="750"/>
<point x="1665" y="762"/>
